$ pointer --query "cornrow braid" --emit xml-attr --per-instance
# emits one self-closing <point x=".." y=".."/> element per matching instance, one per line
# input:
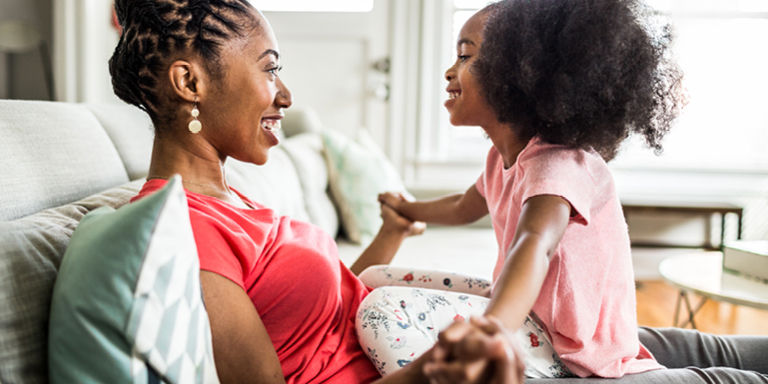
<point x="155" y="31"/>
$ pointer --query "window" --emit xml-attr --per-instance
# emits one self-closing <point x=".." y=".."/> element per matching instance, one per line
<point x="466" y="144"/>
<point x="721" y="47"/>
<point x="444" y="156"/>
<point x="313" y="5"/>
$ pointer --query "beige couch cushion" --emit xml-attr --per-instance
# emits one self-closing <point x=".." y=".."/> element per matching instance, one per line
<point x="131" y="132"/>
<point x="30" y="256"/>
<point x="306" y="152"/>
<point x="52" y="154"/>
<point x="274" y="185"/>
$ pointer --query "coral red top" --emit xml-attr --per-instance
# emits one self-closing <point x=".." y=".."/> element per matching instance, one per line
<point x="305" y="296"/>
<point x="587" y="301"/>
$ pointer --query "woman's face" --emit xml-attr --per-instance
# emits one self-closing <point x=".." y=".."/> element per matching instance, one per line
<point x="245" y="106"/>
<point x="465" y="104"/>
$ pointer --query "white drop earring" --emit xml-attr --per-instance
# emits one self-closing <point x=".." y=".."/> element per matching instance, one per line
<point x="195" y="126"/>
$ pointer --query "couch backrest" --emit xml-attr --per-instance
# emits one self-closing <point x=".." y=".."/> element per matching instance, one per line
<point x="56" y="153"/>
<point x="131" y="132"/>
<point x="52" y="154"/>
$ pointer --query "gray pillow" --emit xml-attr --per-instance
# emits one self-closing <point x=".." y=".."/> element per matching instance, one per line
<point x="31" y="249"/>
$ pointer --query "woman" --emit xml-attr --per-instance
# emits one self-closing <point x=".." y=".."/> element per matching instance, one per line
<point x="206" y="72"/>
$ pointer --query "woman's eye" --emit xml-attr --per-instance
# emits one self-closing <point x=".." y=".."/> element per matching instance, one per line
<point x="275" y="70"/>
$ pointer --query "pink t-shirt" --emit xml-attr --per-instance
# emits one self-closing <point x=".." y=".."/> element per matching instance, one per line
<point x="305" y="296"/>
<point x="587" y="301"/>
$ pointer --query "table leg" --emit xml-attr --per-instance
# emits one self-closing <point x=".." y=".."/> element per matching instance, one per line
<point x="722" y="230"/>
<point x="683" y="296"/>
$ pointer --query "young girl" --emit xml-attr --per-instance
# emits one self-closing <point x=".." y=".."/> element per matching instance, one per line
<point x="557" y="85"/>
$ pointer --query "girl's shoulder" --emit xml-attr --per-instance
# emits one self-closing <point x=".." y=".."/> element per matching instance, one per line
<point x="540" y="151"/>
<point x="541" y="160"/>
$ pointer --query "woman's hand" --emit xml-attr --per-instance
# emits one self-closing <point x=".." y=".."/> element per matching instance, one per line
<point x="397" y="223"/>
<point x="480" y="351"/>
<point x="391" y="234"/>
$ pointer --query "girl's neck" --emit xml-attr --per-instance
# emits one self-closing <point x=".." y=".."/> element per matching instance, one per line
<point x="506" y="142"/>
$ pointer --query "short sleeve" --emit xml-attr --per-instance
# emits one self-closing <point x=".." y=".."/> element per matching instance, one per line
<point x="558" y="171"/>
<point x="215" y="248"/>
<point x="480" y="184"/>
<point x="490" y="164"/>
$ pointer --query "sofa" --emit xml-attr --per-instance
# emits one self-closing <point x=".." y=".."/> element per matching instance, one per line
<point x="61" y="160"/>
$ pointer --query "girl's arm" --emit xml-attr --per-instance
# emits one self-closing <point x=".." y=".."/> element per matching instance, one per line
<point x="456" y="209"/>
<point x="541" y="226"/>
<point x="386" y="243"/>
<point x="242" y="349"/>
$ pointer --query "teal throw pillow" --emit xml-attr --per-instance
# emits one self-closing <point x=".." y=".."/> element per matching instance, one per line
<point x="358" y="171"/>
<point x="127" y="304"/>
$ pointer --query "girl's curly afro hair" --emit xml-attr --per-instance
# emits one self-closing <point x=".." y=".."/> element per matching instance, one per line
<point x="582" y="73"/>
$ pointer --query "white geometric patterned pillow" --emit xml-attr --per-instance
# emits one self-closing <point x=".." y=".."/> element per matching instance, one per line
<point x="127" y="304"/>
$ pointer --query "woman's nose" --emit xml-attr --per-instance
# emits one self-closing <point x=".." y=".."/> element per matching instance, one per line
<point x="284" y="99"/>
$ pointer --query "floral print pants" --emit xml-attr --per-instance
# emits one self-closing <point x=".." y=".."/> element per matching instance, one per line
<point x="400" y="319"/>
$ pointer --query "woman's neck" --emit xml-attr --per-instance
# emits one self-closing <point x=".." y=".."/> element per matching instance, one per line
<point x="201" y="169"/>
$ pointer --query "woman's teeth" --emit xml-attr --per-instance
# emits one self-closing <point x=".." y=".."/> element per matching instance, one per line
<point x="270" y="124"/>
<point x="453" y="95"/>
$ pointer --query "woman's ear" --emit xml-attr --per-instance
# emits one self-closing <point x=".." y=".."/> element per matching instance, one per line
<point x="187" y="80"/>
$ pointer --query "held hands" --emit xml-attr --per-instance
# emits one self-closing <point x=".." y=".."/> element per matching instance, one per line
<point x="393" y="218"/>
<point x="393" y="200"/>
<point x="393" y="221"/>
<point x="478" y="351"/>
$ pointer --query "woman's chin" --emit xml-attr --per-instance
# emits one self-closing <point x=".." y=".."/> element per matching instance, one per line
<point x="254" y="158"/>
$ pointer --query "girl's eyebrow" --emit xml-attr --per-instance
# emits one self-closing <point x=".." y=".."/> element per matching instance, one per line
<point x="269" y="52"/>
<point x="464" y="41"/>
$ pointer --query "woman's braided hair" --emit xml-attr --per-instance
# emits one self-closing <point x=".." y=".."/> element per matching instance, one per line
<point x="157" y="31"/>
<point x="583" y="73"/>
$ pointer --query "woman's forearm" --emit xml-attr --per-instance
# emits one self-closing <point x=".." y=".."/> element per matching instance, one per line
<point x="381" y="250"/>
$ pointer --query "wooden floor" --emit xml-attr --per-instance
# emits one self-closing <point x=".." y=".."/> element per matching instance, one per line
<point x="656" y="307"/>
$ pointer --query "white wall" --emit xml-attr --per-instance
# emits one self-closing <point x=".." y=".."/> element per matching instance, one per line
<point x="21" y="74"/>
<point x="84" y="40"/>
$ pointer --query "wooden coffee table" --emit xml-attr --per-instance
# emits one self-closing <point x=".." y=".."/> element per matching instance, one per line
<point x="702" y="273"/>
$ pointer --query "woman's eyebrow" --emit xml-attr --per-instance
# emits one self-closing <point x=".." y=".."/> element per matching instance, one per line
<point x="269" y="52"/>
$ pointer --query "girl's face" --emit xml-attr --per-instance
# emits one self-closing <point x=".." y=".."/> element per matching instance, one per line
<point x="247" y="104"/>
<point x="465" y="104"/>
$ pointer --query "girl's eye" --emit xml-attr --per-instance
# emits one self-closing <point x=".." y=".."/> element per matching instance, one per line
<point x="463" y="58"/>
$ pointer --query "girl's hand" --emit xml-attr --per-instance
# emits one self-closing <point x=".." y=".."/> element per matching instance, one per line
<point x="480" y="351"/>
<point x="394" y="222"/>
<point x="393" y="200"/>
